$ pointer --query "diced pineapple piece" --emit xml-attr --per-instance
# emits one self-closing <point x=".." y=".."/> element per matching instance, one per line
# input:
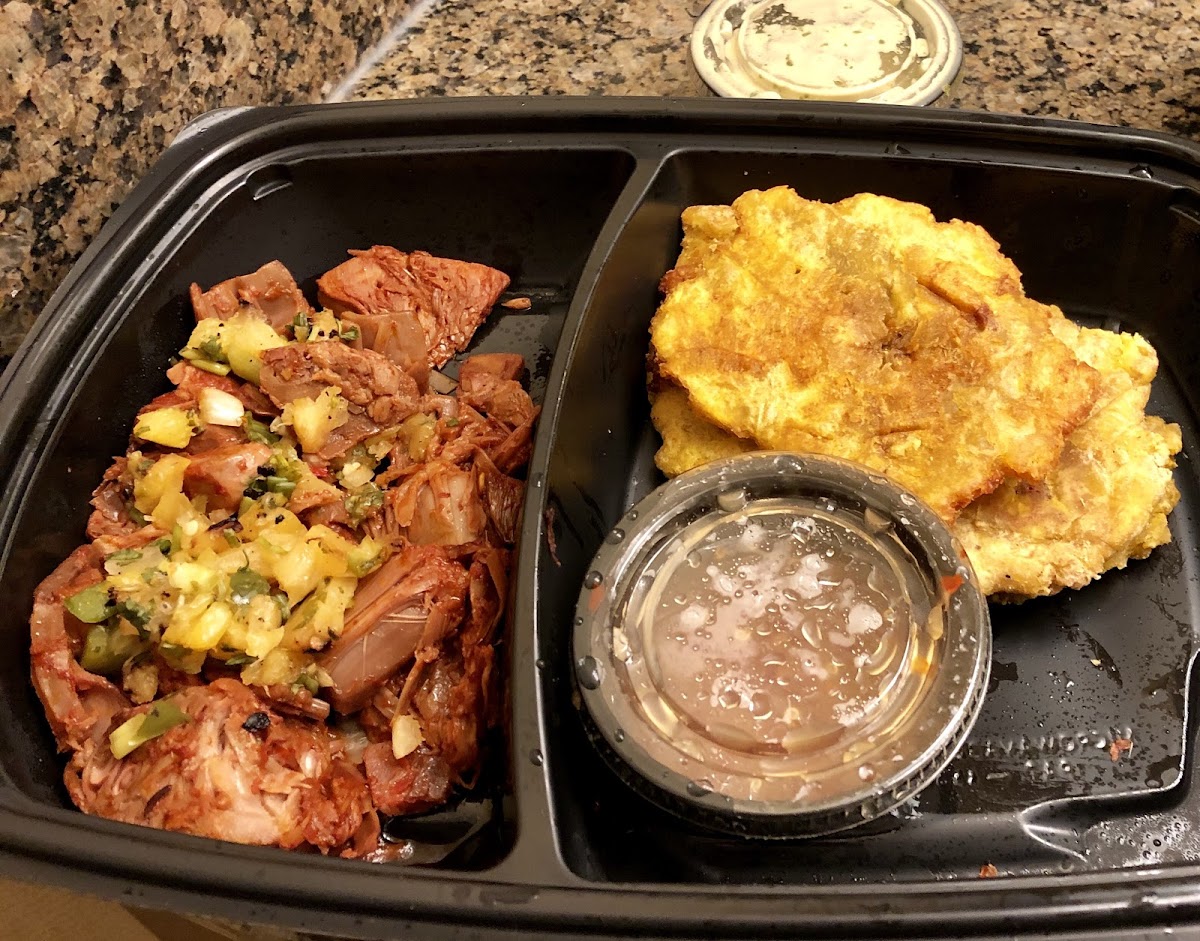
<point x="205" y="347"/>
<point x="198" y="624"/>
<point x="417" y="431"/>
<point x="127" y="582"/>
<point x="245" y="339"/>
<point x="298" y="572"/>
<point x="193" y="578"/>
<point x="329" y="540"/>
<point x="280" y="666"/>
<point x="364" y="557"/>
<point x="321" y="617"/>
<point x="264" y="626"/>
<point x="257" y="629"/>
<point x="171" y="427"/>
<point x="252" y="556"/>
<point x="313" y="420"/>
<point x="324" y="326"/>
<point x="164" y="476"/>
<point x="309" y="486"/>
<point x="379" y="445"/>
<point x="334" y="549"/>
<point x="354" y="475"/>
<point x="206" y="330"/>
<point x="174" y="508"/>
<point x="277" y="523"/>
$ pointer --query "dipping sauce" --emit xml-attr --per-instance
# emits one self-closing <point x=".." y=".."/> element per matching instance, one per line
<point x="779" y="648"/>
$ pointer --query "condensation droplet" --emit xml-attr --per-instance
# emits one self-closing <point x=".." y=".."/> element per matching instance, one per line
<point x="731" y="500"/>
<point x="588" y="671"/>
<point x="593" y="580"/>
<point x="699" y="788"/>
<point x="536" y="758"/>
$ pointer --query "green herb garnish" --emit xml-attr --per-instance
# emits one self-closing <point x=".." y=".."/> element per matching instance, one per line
<point x="245" y="584"/>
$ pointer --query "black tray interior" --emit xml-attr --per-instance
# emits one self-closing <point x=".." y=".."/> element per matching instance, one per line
<point x="505" y="210"/>
<point x="581" y="206"/>
<point x="1035" y="789"/>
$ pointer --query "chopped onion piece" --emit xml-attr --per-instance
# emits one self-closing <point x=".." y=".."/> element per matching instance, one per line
<point x="355" y="475"/>
<point x="218" y="407"/>
<point x="441" y="383"/>
<point x="406" y="734"/>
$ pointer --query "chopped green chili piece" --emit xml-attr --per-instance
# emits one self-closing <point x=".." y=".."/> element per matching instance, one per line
<point x="91" y="605"/>
<point x="122" y="556"/>
<point x="258" y="432"/>
<point x="98" y="655"/>
<point x="300" y="326"/>
<point x="308" y="681"/>
<point x="217" y="369"/>
<point x="162" y="717"/>
<point x="281" y="485"/>
<point x="359" y="506"/>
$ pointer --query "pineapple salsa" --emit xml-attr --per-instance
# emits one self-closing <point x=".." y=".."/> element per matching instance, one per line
<point x="253" y="588"/>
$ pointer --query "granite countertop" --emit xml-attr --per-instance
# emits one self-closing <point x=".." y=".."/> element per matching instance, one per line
<point x="92" y="91"/>
<point x="1130" y="62"/>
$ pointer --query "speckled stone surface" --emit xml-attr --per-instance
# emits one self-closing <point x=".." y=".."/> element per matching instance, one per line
<point x="92" y="90"/>
<point x="1130" y="62"/>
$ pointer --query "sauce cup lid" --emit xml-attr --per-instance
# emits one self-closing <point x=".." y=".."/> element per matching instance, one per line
<point x="780" y="645"/>
<point x="883" y="51"/>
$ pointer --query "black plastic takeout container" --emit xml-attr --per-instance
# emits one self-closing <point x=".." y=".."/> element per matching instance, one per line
<point x="579" y="201"/>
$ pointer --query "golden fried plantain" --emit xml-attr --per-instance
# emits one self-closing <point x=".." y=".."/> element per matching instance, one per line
<point x="869" y="331"/>
<point x="1105" y="503"/>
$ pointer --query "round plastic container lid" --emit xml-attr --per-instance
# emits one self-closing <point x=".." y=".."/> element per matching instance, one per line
<point x="902" y="52"/>
<point x="796" y="751"/>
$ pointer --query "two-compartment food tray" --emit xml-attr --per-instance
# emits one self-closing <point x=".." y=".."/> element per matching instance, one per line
<point x="579" y="201"/>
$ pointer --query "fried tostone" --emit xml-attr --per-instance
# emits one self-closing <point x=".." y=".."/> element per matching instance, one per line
<point x="869" y="331"/>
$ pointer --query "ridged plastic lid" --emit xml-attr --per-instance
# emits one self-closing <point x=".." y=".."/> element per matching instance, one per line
<point x="902" y="52"/>
<point x="780" y="645"/>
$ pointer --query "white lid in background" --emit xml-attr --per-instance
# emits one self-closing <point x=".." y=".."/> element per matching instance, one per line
<point x="886" y="51"/>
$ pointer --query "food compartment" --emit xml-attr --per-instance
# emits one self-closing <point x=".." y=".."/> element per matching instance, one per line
<point x="1045" y="783"/>
<point x="502" y="207"/>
